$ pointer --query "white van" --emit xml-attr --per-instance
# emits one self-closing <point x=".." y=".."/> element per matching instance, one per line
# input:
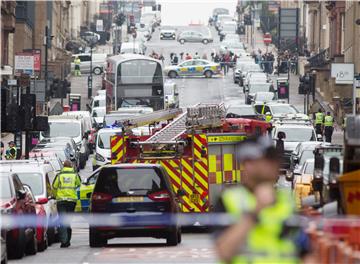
<point x="132" y="47"/>
<point x="102" y="149"/>
<point x="98" y="101"/>
<point x="69" y="126"/>
<point x="98" y="62"/>
<point x="171" y="95"/>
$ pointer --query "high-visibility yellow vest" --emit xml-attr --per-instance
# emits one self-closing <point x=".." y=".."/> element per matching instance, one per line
<point x="8" y="154"/>
<point x="319" y="118"/>
<point x="65" y="184"/>
<point x="77" y="61"/>
<point x="329" y="121"/>
<point x="264" y="242"/>
<point x="268" y="118"/>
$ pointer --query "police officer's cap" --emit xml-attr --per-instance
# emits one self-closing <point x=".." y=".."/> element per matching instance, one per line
<point x="11" y="142"/>
<point x="257" y="148"/>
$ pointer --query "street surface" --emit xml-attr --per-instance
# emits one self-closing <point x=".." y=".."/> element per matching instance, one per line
<point x="195" y="247"/>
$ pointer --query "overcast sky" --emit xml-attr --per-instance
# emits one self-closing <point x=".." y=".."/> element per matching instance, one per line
<point x="184" y="12"/>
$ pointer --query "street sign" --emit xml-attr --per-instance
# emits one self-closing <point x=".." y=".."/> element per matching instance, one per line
<point x="99" y="25"/>
<point x="12" y="82"/>
<point x="38" y="88"/>
<point x="24" y="62"/>
<point x="267" y="38"/>
<point x="343" y="73"/>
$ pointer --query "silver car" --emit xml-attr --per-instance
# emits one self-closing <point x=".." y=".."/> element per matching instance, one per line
<point x="194" y="36"/>
<point x="98" y="62"/>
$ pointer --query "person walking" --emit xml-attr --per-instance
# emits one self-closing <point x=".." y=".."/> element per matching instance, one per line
<point x="329" y="127"/>
<point x="11" y="152"/>
<point x="175" y="60"/>
<point x="223" y="64"/>
<point x="260" y="233"/>
<point x="319" y="122"/>
<point x="77" y="63"/>
<point x="2" y="150"/>
<point x="204" y="56"/>
<point x="196" y="56"/>
<point x="188" y="56"/>
<point x="65" y="185"/>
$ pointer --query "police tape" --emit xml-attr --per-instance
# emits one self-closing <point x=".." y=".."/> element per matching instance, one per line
<point x="143" y="219"/>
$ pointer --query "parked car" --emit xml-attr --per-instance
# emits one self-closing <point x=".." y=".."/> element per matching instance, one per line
<point x="41" y="225"/>
<point x="132" y="47"/>
<point x="143" y="190"/>
<point x="235" y="47"/>
<point x="47" y="156"/>
<point x="167" y="33"/>
<point x="4" y="256"/>
<point x="242" y="67"/>
<point x="193" y="36"/>
<point x="193" y="67"/>
<point x="236" y="111"/>
<point x="20" y="239"/>
<point x="38" y="176"/>
<point x="255" y="87"/>
<point x="229" y="27"/>
<point x="85" y="191"/>
<point x="98" y="61"/>
<point x="264" y="97"/>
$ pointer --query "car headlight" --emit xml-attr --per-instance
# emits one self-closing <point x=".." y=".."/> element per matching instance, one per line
<point x="98" y="157"/>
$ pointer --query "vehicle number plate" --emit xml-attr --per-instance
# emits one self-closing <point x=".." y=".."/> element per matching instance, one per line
<point x="195" y="197"/>
<point x="128" y="199"/>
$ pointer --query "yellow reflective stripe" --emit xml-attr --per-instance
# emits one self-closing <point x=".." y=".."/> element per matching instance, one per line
<point x="219" y="178"/>
<point x="228" y="162"/>
<point x="212" y="163"/>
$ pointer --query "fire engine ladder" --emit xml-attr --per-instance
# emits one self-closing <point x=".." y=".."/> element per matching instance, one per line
<point x="199" y="116"/>
<point x="151" y="118"/>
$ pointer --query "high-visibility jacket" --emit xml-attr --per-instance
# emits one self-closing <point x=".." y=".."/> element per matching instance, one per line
<point x="9" y="155"/>
<point x="265" y="242"/>
<point x="329" y="121"/>
<point x="65" y="185"/>
<point x="319" y="118"/>
<point x="77" y="61"/>
<point x="268" y="118"/>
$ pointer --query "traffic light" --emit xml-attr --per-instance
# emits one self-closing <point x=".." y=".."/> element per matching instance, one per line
<point x="247" y="19"/>
<point x="13" y="122"/>
<point x="28" y="104"/>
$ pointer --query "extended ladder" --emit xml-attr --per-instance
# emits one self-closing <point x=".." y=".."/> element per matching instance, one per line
<point x="199" y="116"/>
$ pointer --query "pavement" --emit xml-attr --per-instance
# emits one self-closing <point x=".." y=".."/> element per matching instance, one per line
<point x="195" y="247"/>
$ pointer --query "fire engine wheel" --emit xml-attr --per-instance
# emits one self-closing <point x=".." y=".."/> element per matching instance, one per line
<point x="208" y="74"/>
<point x="97" y="70"/>
<point x="172" y="74"/>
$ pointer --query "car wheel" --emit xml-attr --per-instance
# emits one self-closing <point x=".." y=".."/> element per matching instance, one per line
<point x="182" y="41"/>
<point x="172" y="238"/>
<point x="31" y="247"/>
<point x="16" y="251"/>
<point x="97" y="70"/>
<point x="205" y="41"/>
<point x="179" y="236"/>
<point x="95" y="240"/>
<point x="172" y="74"/>
<point x="208" y="74"/>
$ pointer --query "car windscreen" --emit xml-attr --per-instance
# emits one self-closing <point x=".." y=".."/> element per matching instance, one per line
<point x="283" y="109"/>
<point x="104" y="140"/>
<point x="111" y="119"/>
<point x="298" y="134"/>
<point x="306" y="154"/>
<point x="99" y="103"/>
<point x="34" y="180"/>
<point x="62" y="129"/>
<point x="5" y="190"/>
<point x="241" y="110"/>
<point x="129" y="181"/>
<point x="259" y="87"/>
<point x="264" y="96"/>
<point x="55" y="163"/>
<point x="309" y="168"/>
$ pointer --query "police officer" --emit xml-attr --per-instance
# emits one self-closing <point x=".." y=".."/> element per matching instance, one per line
<point x="11" y="152"/>
<point x="329" y="127"/>
<point x="319" y="122"/>
<point x="77" y="63"/>
<point x="260" y="233"/>
<point x="65" y="185"/>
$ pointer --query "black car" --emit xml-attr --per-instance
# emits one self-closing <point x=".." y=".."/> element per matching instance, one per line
<point x="140" y="194"/>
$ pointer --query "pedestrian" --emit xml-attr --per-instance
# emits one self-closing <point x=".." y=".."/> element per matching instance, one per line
<point x="161" y="57"/>
<point x="319" y="122"/>
<point x="329" y="127"/>
<point x="188" y="56"/>
<point x="223" y="64"/>
<point x="280" y="149"/>
<point x="2" y="150"/>
<point x="217" y="58"/>
<point x="172" y="56"/>
<point x="268" y="117"/>
<point x="196" y="56"/>
<point x="11" y="152"/>
<point x="227" y="60"/>
<point x="175" y="60"/>
<point x="65" y="185"/>
<point x="181" y="55"/>
<point x="77" y="63"/>
<point x="204" y="56"/>
<point x="260" y="233"/>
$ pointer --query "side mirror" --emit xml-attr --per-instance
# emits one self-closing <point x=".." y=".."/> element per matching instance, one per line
<point x="21" y="194"/>
<point x="181" y="192"/>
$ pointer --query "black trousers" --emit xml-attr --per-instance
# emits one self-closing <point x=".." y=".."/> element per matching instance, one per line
<point x="65" y="207"/>
<point x="318" y="129"/>
<point x="328" y="133"/>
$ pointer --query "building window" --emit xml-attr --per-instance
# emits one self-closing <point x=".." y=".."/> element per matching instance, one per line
<point x="342" y="44"/>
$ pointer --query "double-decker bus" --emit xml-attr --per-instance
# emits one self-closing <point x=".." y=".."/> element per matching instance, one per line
<point x="134" y="80"/>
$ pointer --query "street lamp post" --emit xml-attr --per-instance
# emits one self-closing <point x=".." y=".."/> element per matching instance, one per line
<point x="92" y="41"/>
